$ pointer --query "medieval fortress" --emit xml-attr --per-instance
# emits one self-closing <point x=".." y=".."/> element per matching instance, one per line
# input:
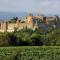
<point x="31" y="22"/>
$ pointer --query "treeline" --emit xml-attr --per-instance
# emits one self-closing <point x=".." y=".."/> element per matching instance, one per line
<point x="28" y="37"/>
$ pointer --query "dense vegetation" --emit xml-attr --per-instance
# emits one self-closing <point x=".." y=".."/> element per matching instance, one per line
<point x="30" y="53"/>
<point x="28" y="37"/>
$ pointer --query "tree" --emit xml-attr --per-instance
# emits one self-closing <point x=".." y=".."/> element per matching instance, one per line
<point x="14" y="19"/>
<point x="36" y="39"/>
<point x="4" y="37"/>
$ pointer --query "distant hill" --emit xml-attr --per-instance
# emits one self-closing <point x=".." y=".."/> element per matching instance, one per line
<point x="9" y="15"/>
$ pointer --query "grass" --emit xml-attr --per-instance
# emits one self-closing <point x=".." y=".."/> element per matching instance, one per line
<point x="30" y="53"/>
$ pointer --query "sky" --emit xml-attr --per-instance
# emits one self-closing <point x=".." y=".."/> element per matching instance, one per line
<point x="40" y="6"/>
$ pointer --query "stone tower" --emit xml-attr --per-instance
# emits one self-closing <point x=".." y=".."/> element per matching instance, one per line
<point x="42" y="17"/>
<point x="36" y="25"/>
<point x="30" y="20"/>
<point x="46" y="20"/>
<point x="1" y="25"/>
<point x="17" y="23"/>
<point x="5" y="26"/>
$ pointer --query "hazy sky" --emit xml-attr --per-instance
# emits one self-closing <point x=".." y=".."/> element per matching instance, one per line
<point x="41" y="6"/>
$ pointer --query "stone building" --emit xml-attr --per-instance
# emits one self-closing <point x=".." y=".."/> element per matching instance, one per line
<point x="31" y="22"/>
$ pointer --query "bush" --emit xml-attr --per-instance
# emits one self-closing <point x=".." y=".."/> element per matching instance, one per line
<point x="30" y="53"/>
<point x="28" y="37"/>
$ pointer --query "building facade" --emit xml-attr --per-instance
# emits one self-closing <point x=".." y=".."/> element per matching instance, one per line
<point x="31" y="22"/>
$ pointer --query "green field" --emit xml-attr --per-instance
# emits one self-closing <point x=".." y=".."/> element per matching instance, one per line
<point x="30" y="53"/>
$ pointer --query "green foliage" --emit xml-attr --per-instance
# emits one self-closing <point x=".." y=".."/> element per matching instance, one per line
<point x="30" y="53"/>
<point x="28" y="37"/>
<point x="36" y="39"/>
<point x="4" y="37"/>
<point x="13" y="20"/>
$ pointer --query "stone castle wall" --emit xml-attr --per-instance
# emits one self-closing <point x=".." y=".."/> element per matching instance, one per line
<point x="9" y="27"/>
